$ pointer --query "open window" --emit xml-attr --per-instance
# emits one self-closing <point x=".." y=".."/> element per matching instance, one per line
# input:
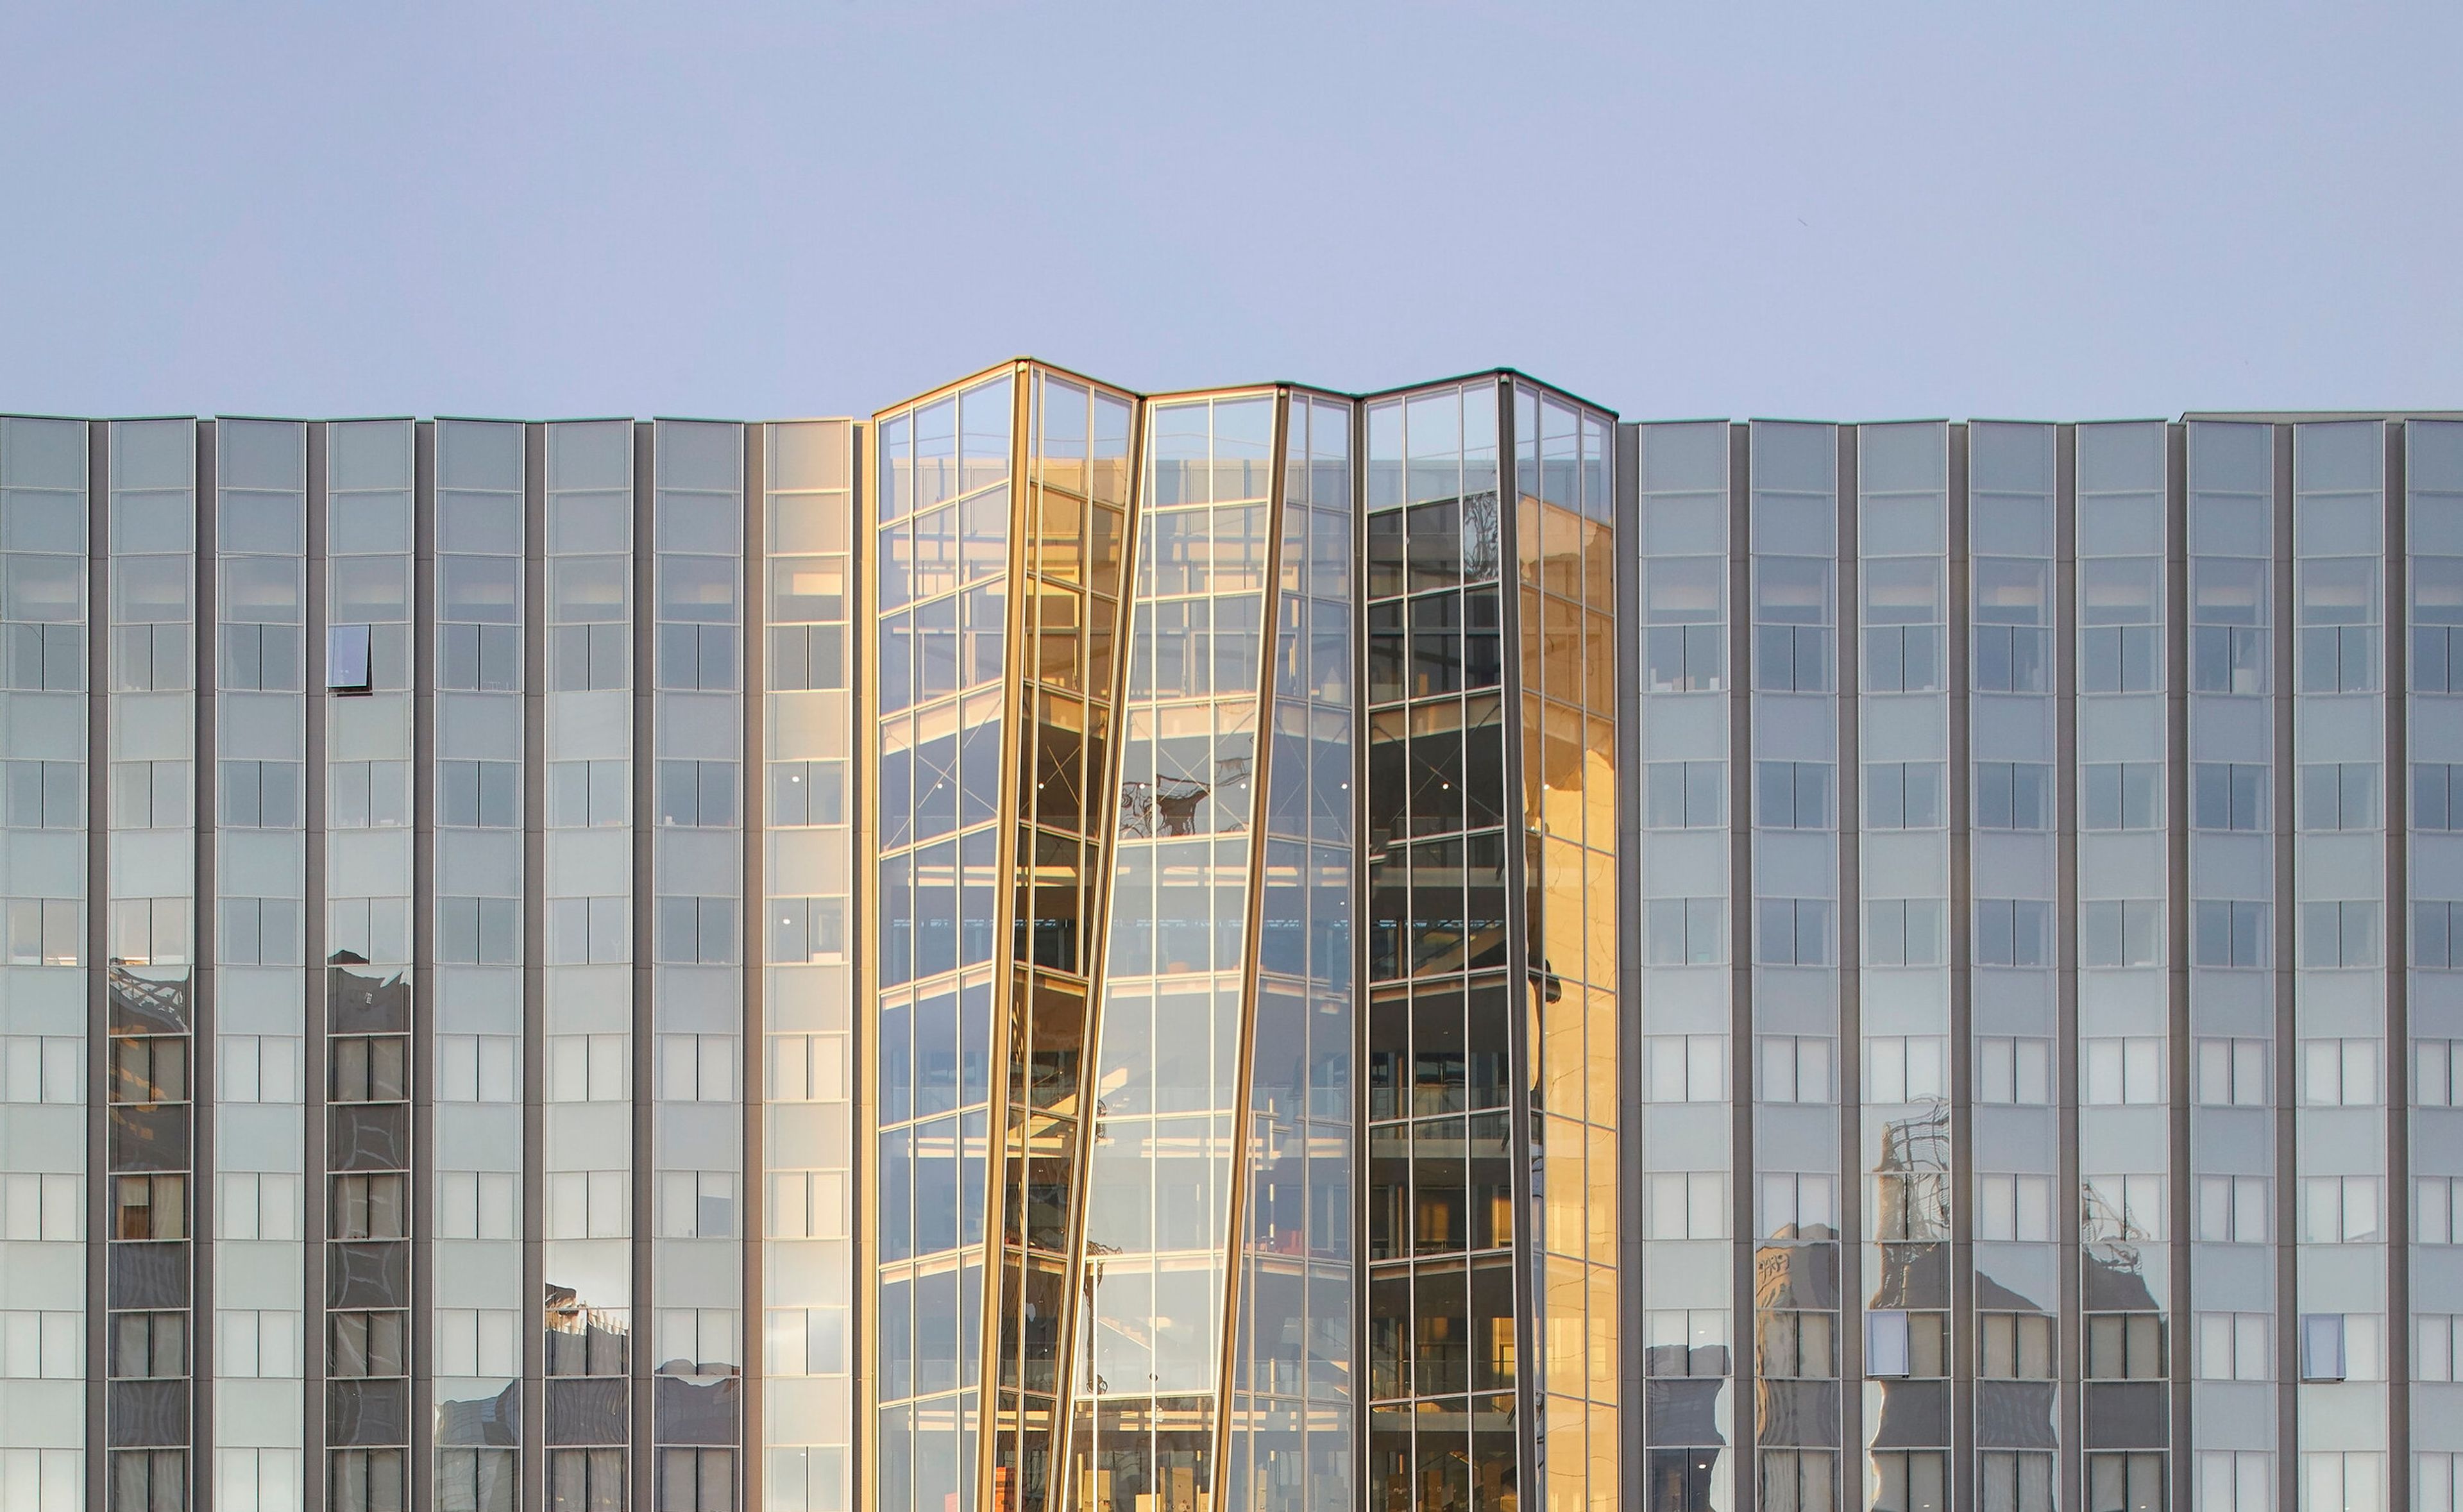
<point x="347" y="658"/>
<point x="2321" y="1346"/>
<point x="1887" y="1341"/>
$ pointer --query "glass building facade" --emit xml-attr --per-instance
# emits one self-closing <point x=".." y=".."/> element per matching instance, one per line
<point x="1055" y="949"/>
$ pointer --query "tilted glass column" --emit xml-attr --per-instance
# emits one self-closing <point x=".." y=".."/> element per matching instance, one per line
<point x="938" y="536"/>
<point x="2005" y="1337"/>
<point x="1443" y="1347"/>
<point x="807" y="1060"/>
<point x="1147" y="1385"/>
<point x="1561" y="678"/>
<point x="1290" y="1438"/>
<point x="48" y="549"/>
<point x="1067" y="562"/>
<point x="1689" y="1057"/>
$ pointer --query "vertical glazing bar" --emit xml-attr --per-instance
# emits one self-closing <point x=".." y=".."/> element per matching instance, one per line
<point x="90" y="1478"/>
<point x="203" y="1297"/>
<point x="2178" y="955"/>
<point x="2285" y="1065"/>
<point x="1963" y="1479"/>
<point x="1632" y="1363"/>
<point x="641" y="1457"/>
<point x="2397" y="885"/>
<point x="419" y="672"/>
<point x="531" y="1194"/>
<point x="1854" y="1221"/>
<point x="753" y="1164"/>
<point x="2069" y="1339"/>
<point x="318" y="1473"/>
<point x="1743" y="1049"/>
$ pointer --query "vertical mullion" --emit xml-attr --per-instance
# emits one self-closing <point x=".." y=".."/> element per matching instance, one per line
<point x="96" y="947"/>
<point x="2180" y="1194"/>
<point x="420" y="668"/>
<point x="1742" y="1329"/>
<point x="753" y="790"/>
<point x="2287" y="1044"/>
<point x="2397" y="1055"/>
<point x="2068" y="1216"/>
<point x="533" y="1203"/>
<point x="205" y="618"/>
<point x="644" y="1456"/>
<point x="314" y="1229"/>
<point x="1959" y="665"/>
<point x="1626" y="565"/>
<point x="1848" y="640"/>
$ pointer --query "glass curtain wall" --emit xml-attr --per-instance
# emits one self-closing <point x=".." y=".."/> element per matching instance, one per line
<point x="2433" y="452"/>
<point x="1800" y="1018"/>
<point x="940" y="531"/>
<point x="2006" y="1330"/>
<point x="152" y="998"/>
<point x="584" y="1023"/>
<point x="1161" y="1179"/>
<point x="1687" y="1055"/>
<point x="697" y="1017"/>
<point x="46" y="788"/>
<point x="1289" y="1439"/>
<point x="481" y="812"/>
<point x="807" y="1060"/>
<point x="2234" y="977"/>
<point x="266" y="1168"/>
<point x="1563" y="677"/>
<point x="362" y="547"/>
<point x="1902" y="817"/>
<point x="1068" y="565"/>
<point x="2338" y="1021"/>
<point x="1443" y="1344"/>
<point x="2124" y="791"/>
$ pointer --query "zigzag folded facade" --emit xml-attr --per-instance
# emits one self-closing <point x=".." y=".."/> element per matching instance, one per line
<point x="1261" y="949"/>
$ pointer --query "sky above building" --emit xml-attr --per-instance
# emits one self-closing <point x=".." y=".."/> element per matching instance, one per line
<point x="1679" y="210"/>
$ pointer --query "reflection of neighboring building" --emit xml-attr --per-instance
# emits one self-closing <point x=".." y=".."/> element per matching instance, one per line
<point x="496" y="1421"/>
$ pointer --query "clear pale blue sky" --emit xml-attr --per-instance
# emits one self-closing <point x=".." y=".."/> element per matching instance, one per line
<point x="1849" y="211"/>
